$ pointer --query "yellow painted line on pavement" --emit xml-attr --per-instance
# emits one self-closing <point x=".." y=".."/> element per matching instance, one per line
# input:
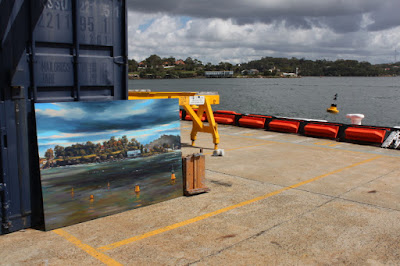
<point x="333" y="145"/>
<point x="214" y="213"/>
<point x="323" y="143"/>
<point x="88" y="249"/>
<point x="326" y="143"/>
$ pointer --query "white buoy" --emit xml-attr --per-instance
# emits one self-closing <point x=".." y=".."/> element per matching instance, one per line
<point x="355" y="118"/>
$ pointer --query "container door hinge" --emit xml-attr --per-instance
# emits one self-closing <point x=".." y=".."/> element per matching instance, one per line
<point x="119" y="60"/>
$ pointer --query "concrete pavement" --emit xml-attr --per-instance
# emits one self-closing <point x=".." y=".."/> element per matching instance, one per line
<point x="275" y="199"/>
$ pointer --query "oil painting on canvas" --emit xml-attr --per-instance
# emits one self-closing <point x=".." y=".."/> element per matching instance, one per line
<point x="101" y="158"/>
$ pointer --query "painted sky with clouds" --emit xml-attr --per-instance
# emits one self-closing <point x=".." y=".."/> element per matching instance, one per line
<point x="239" y="31"/>
<point x="69" y="123"/>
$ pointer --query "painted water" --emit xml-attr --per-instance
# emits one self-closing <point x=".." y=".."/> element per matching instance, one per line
<point x="308" y="97"/>
<point x="67" y="190"/>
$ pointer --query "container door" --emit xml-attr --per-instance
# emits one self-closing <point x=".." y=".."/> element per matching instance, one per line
<point x="76" y="52"/>
<point x="79" y="52"/>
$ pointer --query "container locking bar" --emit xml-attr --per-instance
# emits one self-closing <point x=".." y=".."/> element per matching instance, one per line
<point x="119" y="60"/>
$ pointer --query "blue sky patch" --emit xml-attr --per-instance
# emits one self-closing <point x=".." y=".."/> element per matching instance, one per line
<point x="146" y="25"/>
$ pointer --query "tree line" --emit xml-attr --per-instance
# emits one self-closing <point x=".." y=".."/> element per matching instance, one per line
<point x="89" y="148"/>
<point x="112" y="149"/>
<point x="157" y="67"/>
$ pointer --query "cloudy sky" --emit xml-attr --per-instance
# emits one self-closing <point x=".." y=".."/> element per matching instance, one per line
<point x="69" y="123"/>
<point x="239" y="31"/>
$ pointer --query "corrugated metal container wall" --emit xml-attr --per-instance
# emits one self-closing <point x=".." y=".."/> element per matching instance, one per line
<point x="76" y="52"/>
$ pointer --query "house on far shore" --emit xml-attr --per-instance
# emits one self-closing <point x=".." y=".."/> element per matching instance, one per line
<point x="179" y="62"/>
<point x="134" y="153"/>
<point x="142" y="65"/>
<point x="167" y="65"/>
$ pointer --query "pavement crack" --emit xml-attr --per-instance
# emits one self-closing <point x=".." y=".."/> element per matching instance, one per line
<point x="372" y="180"/>
<point x="260" y="233"/>
<point x="340" y="196"/>
<point x="369" y="204"/>
<point x="295" y="217"/>
<point x="349" y="200"/>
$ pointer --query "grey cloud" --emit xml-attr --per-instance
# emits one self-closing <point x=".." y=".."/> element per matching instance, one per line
<point x="298" y="22"/>
<point x="343" y="24"/>
<point x="339" y="15"/>
<point x="386" y="17"/>
<point x="162" y="111"/>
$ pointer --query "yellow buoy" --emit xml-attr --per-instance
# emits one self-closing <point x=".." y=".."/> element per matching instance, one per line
<point x="72" y="192"/>
<point x="332" y="109"/>
<point x="91" y="197"/>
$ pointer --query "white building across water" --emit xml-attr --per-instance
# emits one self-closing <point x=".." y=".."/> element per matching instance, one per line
<point x="219" y="74"/>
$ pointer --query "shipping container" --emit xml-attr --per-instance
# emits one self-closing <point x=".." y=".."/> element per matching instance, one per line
<point x="50" y="51"/>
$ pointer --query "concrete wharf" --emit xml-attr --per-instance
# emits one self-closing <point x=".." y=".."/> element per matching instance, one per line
<point x="275" y="199"/>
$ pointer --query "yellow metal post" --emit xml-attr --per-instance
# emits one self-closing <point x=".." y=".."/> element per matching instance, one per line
<point x="198" y="125"/>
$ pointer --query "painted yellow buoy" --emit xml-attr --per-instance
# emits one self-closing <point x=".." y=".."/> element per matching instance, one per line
<point x="173" y="178"/>
<point x="91" y="200"/>
<point x="137" y="191"/>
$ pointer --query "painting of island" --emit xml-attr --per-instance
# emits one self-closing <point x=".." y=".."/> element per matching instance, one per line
<point x="102" y="158"/>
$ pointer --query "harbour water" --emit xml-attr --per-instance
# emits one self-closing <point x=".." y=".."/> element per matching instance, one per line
<point x="308" y="97"/>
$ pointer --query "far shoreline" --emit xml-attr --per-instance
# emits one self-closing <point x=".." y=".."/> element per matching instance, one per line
<point x="266" y="77"/>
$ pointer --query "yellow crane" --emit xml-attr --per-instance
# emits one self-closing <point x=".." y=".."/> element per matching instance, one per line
<point x="201" y="101"/>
